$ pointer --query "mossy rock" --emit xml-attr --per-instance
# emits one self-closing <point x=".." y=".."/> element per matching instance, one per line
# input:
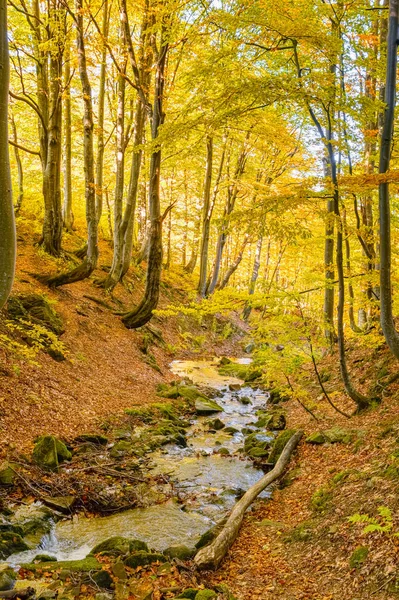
<point x="321" y="500"/>
<point x="279" y="444"/>
<point x="36" y="309"/>
<point x="10" y="543"/>
<point x="277" y="422"/>
<point x="142" y="558"/>
<point x="224" y="361"/>
<point x="358" y="557"/>
<point x="7" y="474"/>
<point x="62" y="504"/>
<point x="118" y="545"/>
<point x="206" y="595"/>
<point x="7" y="578"/>
<point x="181" y="552"/>
<point x="102" y="579"/>
<point x="90" y="563"/>
<point x="301" y="533"/>
<point x="93" y="438"/>
<point x="49" y="452"/>
<point x="121" y="449"/>
<point x="338" y="435"/>
<point x="258" y="453"/>
<point x="276" y="396"/>
<point x="189" y="593"/>
<point x="245" y="400"/>
<point x="44" y="558"/>
<point x="230" y="430"/>
<point x="206" y="406"/>
<point x="316" y="438"/>
<point x="223" y="451"/>
<point x="216" y="424"/>
<point x="257" y="440"/>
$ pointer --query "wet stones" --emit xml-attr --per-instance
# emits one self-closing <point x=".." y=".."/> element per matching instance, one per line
<point x="142" y="558"/>
<point x="206" y="406"/>
<point x="118" y="545"/>
<point x="216" y="424"/>
<point x="11" y="542"/>
<point x="180" y="551"/>
<point x="7" y="578"/>
<point x="49" y="452"/>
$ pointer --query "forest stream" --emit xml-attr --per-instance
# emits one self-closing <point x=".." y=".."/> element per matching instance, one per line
<point x="206" y="484"/>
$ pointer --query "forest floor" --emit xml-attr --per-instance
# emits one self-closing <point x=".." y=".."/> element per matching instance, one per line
<point x="298" y="545"/>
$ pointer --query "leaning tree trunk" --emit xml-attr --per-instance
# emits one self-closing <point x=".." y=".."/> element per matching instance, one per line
<point x="387" y="322"/>
<point x="212" y="555"/>
<point x="89" y="264"/>
<point x="234" y="265"/>
<point x="206" y="218"/>
<point x="143" y="312"/>
<point x="7" y="223"/>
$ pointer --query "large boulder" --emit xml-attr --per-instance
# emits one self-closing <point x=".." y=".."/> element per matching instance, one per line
<point x="118" y="545"/>
<point x="206" y="406"/>
<point x="49" y="452"/>
<point x="33" y="521"/>
<point x="181" y="552"/>
<point x="338" y="435"/>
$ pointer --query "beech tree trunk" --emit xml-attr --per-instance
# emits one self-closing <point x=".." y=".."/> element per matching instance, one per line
<point x="20" y="170"/>
<point x="234" y="265"/>
<point x="90" y="262"/>
<point x="67" y="209"/>
<point x="206" y="218"/>
<point x="100" y="117"/>
<point x="254" y="277"/>
<point x="387" y="322"/>
<point x="7" y="222"/>
<point x="140" y="315"/>
<point x="212" y="555"/>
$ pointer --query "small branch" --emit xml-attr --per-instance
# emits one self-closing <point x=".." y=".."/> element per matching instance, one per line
<point x="35" y="152"/>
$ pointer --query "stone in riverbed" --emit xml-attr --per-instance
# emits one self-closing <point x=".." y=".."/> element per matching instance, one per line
<point x="234" y="387"/>
<point x="206" y="406"/>
<point x="63" y="504"/>
<point x="118" y="545"/>
<point x="49" y="452"/>
<point x="245" y="400"/>
<point x="44" y="558"/>
<point x="216" y="424"/>
<point x="230" y="430"/>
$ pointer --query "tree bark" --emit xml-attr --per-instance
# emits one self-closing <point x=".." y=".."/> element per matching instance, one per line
<point x="254" y="277"/>
<point x="387" y="322"/>
<point x="20" y="170"/>
<point x="7" y="222"/>
<point x="206" y="218"/>
<point x="234" y="265"/>
<point x="212" y="555"/>
<point x="67" y="209"/>
<point x="89" y="264"/>
<point x="100" y="117"/>
<point x="140" y="315"/>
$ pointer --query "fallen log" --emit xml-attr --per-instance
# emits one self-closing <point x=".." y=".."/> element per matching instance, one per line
<point x="23" y="594"/>
<point x="212" y="555"/>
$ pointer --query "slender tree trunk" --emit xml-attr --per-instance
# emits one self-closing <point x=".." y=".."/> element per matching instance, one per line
<point x="387" y="322"/>
<point x="67" y="209"/>
<point x="169" y="243"/>
<point x="100" y="118"/>
<point x="232" y="193"/>
<point x="143" y="312"/>
<point x="89" y="264"/>
<point x="234" y="265"/>
<point x="52" y="224"/>
<point x="352" y="321"/>
<point x="7" y="222"/>
<point x="20" y="170"/>
<point x="254" y="277"/>
<point x="206" y="218"/>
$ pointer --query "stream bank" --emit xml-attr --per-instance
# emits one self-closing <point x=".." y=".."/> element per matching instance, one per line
<point x="183" y="464"/>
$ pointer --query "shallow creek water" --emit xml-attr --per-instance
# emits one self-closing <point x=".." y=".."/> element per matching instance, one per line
<point x="206" y="484"/>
